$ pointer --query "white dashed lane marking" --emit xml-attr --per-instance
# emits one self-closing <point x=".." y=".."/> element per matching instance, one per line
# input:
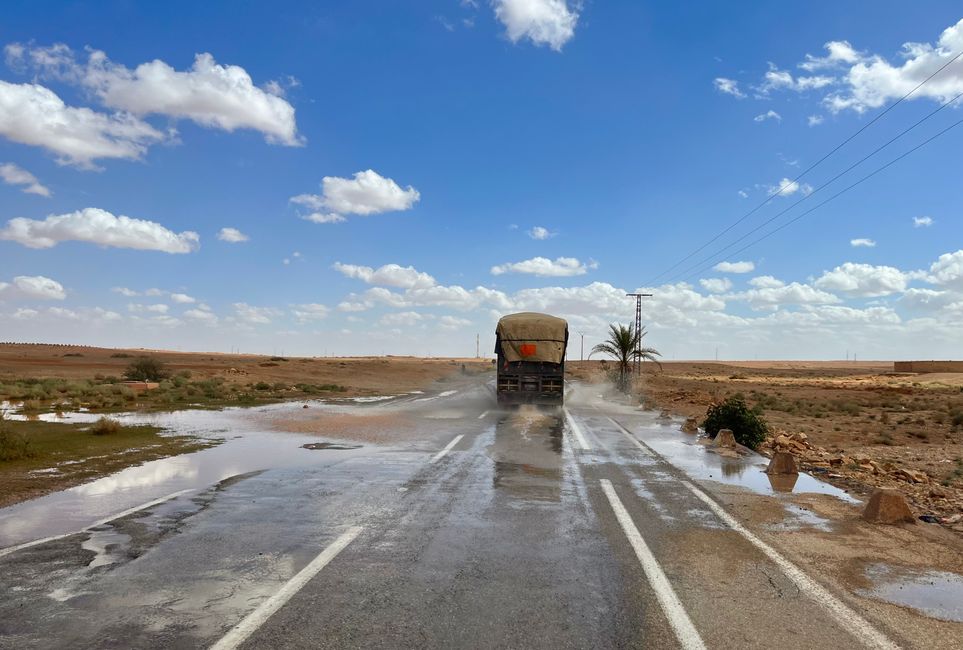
<point x="240" y="632"/>
<point x="448" y="447"/>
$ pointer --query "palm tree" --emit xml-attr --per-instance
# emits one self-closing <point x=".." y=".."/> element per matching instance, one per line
<point x="622" y="346"/>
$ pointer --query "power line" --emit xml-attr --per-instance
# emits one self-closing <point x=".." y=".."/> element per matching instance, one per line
<point x="804" y="172"/>
<point x="837" y="194"/>
<point x="815" y="191"/>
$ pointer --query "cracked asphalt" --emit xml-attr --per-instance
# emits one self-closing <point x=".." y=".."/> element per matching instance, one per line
<point x="507" y="540"/>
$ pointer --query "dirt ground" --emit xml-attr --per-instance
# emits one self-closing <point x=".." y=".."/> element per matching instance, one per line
<point x="359" y="375"/>
<point x="857" y="425"/>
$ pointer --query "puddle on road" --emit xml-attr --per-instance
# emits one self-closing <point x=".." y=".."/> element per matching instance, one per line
<point x="329" y="445"/>
<point x="798" y="518"/>
<point x="937" y="594"/>
<point x="105" y="541"/>
<point x="250" y="447"/>
<point x="701" y="463"/>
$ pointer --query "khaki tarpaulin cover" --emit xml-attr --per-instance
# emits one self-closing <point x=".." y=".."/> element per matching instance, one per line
<point x="533" y="337"/>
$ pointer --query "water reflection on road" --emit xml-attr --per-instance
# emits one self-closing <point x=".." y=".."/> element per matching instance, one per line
<point x="249" y="447"/>
<point x="527" y="454"/>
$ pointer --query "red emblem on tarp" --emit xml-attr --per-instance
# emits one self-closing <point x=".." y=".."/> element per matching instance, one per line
<point x="526" y="349"/>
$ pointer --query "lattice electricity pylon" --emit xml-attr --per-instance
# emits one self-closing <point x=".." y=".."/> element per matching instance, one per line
<point x="638" y="329"/>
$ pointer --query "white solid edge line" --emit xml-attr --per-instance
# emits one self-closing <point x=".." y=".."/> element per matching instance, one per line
<point x="671" y="606"/>
<point x="846" y="617"/>
<point x="240" y="632"/>
<point x="629" y="435"/>
<point x="129" y="511"/>
<point x="483" y="415"/>
<point x="576" y="430"/>
<point x="448" y="447"/>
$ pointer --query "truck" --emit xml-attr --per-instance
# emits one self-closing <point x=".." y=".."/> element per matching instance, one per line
<point x="530" y="359"/>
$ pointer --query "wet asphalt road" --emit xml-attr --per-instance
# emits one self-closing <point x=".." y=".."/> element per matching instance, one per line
<point x="509" y="539"/>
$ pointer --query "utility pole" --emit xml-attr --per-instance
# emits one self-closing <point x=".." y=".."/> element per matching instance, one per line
<point x="638" y="328"/>
<point x="477" y="346"/>
<point x="581" y="356"/>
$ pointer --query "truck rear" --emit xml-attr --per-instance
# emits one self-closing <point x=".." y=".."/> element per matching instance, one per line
<point x="530" y="349"/>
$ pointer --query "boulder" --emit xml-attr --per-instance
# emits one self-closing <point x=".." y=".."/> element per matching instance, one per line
<point x="691" y="425"/>
<point x="780" y="441"/>
<point x="725" y="438"/>
<point x="911" y="476"/>
<point x="782" y="463"/>
<point x="799" y="436"/>
<point x="887" y="507"/>
<point x="782" y="482"/>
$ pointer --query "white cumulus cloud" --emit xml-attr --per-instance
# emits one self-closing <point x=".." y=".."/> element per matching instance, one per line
<point x="453" y="322"/>
<point x="863" y="280"/>
<point x="13" y="175"/>
<point x="182" y="299"/>
<point x="768" y="115"/>
<point x="232" y="235"/>
<point x="870" y="81"/>
<point x="389" y="275"/>
<point x="776" y="79"/>
<point x="251" y="315"/>
<point x="311" y="311"/>
<point x="838" y="53"/>
<point x="324" y="217"/>
<point x="766" y="282"/>
<point x="862" y="242"/>
<point x="735" y="267"/>
<point x="728" y="87"/>
<point x="788" y="187"/>
<point x="793" y="293"/>
<point x="543" y="22"/>
<point x="403" y="318"/>
<point x="540" y="233"/>
<point x="922" y="222"/>
<point x="366" y="193"/>
<point x="32" y="287"/>
<point x="209" y="94"/>
<point x="948" y="270"/>
<point x="158" y="308"/>
<point x="98" y="226"/>
<point x="716" y="285"/>
<point x="33" y="115"/>
<point x="545" y="268"/>
<point x="203" y="316"/>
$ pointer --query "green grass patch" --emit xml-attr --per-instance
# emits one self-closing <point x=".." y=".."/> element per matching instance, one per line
<point x="79" y="453"/>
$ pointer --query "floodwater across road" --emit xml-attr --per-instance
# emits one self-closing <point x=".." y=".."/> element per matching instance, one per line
<point x="454" y="525"/>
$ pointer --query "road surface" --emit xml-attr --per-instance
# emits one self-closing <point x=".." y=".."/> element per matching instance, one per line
<point x="486" y="529"/>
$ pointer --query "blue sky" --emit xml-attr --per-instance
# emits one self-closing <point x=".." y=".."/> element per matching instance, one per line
<point x="403" y="173"/>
